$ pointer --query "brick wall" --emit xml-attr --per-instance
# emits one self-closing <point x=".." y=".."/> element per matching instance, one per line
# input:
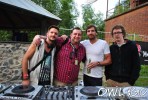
<point x="11" y="54"/>
<point x="134" y="21"/>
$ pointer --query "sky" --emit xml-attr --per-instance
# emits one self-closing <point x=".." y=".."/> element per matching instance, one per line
<point x="99" y="5"/>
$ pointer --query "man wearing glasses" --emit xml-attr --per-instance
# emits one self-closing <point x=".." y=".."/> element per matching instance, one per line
<point x="125" y="67"/>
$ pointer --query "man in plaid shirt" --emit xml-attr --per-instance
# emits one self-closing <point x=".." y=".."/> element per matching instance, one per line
<point x="68" y="58"/>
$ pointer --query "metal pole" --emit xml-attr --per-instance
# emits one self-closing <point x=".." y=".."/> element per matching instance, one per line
<point x="119" y="7"/>
<point x="134" y="36"/>
<point x="107" y="10"/>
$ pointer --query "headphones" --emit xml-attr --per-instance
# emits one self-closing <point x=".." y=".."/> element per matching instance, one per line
<point x="50" y="46"/>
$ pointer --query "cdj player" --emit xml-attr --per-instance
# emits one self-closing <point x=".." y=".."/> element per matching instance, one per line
<point x="18" y="92"/>
<point x="3" y="88"/>
<point x="88" y="93"/>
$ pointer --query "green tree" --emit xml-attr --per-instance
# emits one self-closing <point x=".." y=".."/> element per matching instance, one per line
<point x="52" y="6"/>
<point x="65" y="9"/>
<point x="68" y="14"/>
<point x="89" y="17"/>
<point x="122" y="7"/>
<point x="5" y="35"/>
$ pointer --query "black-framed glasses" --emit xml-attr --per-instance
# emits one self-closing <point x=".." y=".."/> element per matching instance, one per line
<point x="117" y="32"/>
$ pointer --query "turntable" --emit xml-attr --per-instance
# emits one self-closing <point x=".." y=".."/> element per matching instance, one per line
<point x="88" y="93"/>
<point x="18" y="92"/>
<point x="3" y="88"/>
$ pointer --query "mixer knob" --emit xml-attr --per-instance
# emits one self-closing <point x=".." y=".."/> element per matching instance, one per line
<point x="76" y="95"/>
<point x="52" y="95"/>
<point x="62" y="94"/>
<point x="57" y="95"/>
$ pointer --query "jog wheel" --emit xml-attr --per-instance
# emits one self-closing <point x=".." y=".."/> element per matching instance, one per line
<point x="90" y="91"/>
<point x="22" y="89"/>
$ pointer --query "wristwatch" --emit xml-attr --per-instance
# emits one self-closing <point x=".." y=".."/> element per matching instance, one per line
<point x="99" y="63"/>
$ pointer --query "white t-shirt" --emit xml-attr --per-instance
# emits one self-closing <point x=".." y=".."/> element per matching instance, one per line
<point x="95" y="52"/>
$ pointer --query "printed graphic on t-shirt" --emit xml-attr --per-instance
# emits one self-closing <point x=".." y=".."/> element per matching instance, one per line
<point x="45" y="70"/>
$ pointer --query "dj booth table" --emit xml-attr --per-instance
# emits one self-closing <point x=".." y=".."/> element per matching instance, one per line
<point x="18" y="92"/>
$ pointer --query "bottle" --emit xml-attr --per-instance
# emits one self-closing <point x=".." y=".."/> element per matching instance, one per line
<point x="88" y="70"/>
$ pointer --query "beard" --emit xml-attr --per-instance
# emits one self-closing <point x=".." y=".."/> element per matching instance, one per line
<point x="51" y="39"/>
<point x="91" y="37"/>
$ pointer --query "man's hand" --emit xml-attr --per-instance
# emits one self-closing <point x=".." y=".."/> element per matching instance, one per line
<point x="92" y="65"/>
<point x="64" y="37"/>
<point x="26" y="82"/>
<point x="37" y="39"/>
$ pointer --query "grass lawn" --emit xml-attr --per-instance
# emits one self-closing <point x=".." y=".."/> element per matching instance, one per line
<point x="143" y="79"/>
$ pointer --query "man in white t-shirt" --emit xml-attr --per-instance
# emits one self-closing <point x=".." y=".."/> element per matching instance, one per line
<point x="97" y="56"/>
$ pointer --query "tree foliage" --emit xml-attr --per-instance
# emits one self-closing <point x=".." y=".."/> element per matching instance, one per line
<point x="68" y="14"/>
<point x="52" y="6"/>
<point x="65" y="9"/>
<point x="5" y="35"/>
<point x="89" y="17"/>
<point x="122" y="7"/>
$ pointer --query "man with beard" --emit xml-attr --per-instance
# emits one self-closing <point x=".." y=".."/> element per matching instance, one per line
<point x="97" y="56"/>
<point x="68" y="58"/>
<point x="125" y="67"/>
<point x="43" y="73"/>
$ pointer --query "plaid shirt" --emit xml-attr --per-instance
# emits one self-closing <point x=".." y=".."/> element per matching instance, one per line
<point x="65" y="68"/>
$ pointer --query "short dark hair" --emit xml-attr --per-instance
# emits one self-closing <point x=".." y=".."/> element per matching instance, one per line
<point x="53" y="26"/>
<point x="90" y="26"/>
<point x="77" y="28"/>
<point x="118" y="26"/>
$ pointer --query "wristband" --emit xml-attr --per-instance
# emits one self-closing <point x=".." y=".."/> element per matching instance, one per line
<point x="25" y="77"/>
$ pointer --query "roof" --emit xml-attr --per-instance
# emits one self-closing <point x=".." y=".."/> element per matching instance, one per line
<point x="18" y="12"/>
<point x="30" y="6"/>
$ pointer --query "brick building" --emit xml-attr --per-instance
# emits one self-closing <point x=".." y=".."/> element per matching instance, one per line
<point x="135" y="20"/>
